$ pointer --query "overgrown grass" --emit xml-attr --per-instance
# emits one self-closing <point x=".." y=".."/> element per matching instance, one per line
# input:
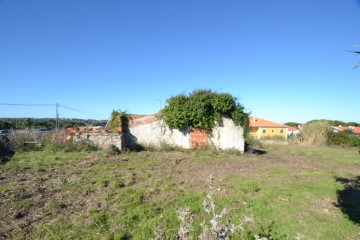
<point x="31" y="140"/>
<point x="290" y="191"/>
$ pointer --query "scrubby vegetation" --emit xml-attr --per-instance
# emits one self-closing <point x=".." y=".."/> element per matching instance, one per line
<point x="321" y="133"/>
<point x="118" y="121"/>
<point x="202" y="109"/>
<point x="344" y="139"/>
<point x="316" y="132"/>
<point x="31" y="140"/>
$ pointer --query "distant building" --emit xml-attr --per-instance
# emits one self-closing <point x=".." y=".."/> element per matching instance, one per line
<point x="353" y="130"/>
<point x="261" y="128"/>
<point x="293" y="131"/>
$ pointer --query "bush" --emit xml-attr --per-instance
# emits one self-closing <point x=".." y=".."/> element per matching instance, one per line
<point x="28" y="140"/>
<point x="344" y="139"/>
<point x="202" y="109"/>
<point x="316" y="132"/>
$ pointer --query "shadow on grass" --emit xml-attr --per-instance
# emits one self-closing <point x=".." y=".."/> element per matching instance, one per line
<point x="250" y="150"/>
<point x="348" y="199"/>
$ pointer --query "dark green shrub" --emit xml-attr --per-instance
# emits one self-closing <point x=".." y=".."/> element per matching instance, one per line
<point x="202" y="109"/>
<point x="177" y="113"/>
<point x="344" y="139"/>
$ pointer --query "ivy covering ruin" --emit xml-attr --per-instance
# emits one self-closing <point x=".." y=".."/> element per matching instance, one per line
<point x="203" y="109"/>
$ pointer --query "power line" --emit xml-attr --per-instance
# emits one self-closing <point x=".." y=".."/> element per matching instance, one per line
<point x="56" y="105"/>
<point x="27" y="105"/>
<point x="82" y="111"/>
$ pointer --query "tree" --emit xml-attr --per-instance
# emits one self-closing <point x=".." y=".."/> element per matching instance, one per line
<point x="331" y="122"/>
<point x="28" y="123"/>
<point x="6" y="125"/>
<point x="353" y="124"/>
<point x="293" y="124"/>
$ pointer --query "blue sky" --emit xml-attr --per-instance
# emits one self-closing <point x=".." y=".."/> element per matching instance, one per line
<point x="285" y="60"/>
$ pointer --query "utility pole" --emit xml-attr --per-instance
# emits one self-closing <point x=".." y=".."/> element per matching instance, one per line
<point x="57" y="123"/>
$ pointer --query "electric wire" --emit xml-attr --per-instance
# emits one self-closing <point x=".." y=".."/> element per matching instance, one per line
<point x="27" y="105"/>
<point x="56" y="105"/>
<point x="82" y="111"/>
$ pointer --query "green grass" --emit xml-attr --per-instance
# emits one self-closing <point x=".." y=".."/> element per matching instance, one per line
<point x="289" y="190"/>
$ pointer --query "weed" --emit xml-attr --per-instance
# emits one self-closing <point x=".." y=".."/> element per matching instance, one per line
<point x="169" y="147"/>
<point x="216" y="228"/>
<point x="102" y="182"/>
<point x="57" y="204"/>
<point x="117" y="184"/>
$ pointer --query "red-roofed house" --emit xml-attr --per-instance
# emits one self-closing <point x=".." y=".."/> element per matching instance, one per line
<point x="293" y="131"/>
<point x="261" y="128"/>
<point x="341" y="128"/>
<point x="354" y="130"/>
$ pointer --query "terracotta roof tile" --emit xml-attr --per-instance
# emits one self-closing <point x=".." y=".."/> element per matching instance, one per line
<point x="341" y="128"/>
<point x="259" y="122"/>
<point x="292" y="129"/>
<point x="356" y="130"/>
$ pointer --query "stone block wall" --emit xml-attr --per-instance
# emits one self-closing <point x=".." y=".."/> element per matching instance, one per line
<point x="103" y="140"/>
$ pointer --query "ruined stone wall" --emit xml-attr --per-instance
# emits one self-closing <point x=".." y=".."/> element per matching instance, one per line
<point x="103" y="140"/>
<point x="152" y="131"/>
<point x="228" y="136"/>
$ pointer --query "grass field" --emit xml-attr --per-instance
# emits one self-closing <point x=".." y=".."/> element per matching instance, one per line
<point x="292" y="192"/>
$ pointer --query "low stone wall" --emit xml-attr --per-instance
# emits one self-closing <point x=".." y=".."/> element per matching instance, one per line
<point x="102" y="139"/>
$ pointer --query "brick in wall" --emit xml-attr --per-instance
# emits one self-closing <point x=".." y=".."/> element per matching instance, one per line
<point x="198" y="137"/>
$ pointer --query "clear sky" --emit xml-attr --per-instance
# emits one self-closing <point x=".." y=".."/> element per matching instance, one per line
<point x="285" y="60"/>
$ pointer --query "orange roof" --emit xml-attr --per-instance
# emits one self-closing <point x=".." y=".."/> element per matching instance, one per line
<point x="292" y="129"/>
<point x="259" y="122"/>
<point x="341" y="128"/>
<point x="356" y="130"/>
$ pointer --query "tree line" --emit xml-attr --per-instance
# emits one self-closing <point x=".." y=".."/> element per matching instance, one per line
<point x="331" y="122"/>
<point x="22" y="123"/>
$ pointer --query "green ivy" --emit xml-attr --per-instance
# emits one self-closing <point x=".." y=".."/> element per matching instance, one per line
<point x="118" y="119"/>
<point x="202" y="109"/>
